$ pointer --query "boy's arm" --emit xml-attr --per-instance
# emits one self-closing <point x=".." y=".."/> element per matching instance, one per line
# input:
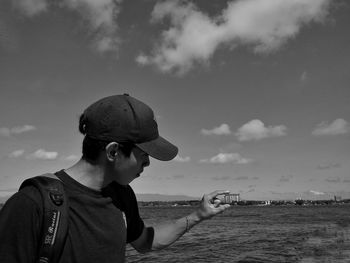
<point x="162" y="235"/>
<point x="19" y="229"/>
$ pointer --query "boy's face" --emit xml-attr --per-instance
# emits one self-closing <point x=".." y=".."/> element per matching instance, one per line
<point x="129" y="168"/>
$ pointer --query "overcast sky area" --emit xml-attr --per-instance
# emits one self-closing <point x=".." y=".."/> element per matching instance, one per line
<point x="255" y="93"/>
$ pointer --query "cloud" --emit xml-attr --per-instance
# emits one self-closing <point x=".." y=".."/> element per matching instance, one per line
<point x="5" y="131"/>
<point x="193" y="36"/>
<point x="256" y="130"/>
<point x="41" y="154"/>
<point x="100" y="16"/>
<point x="223" y="158"/>
<point x="16" y="154"/>
<point x="316" y="192"/>
<point x="333" y="180"/>
<point x="182" y="159"/>
<point x="328" y="166"/>
<point x="31" y="7"/>
<point x="16" y="130"/>
<point x="223" y="129"/>
<point x="178" y="176"/>
<point x="222" y="178"/>
<point x="22" y="129"/>
<point x="285" y="178"/>
<point x="304" y="76"/>
<point x="142" y="60"/>
<point x="8" y="35"/>
<point x="71" y="157"/>
<point x="337" y="127"/>
<point x="231" y="147"/>
<point x="227" y="177"/>
<point x="240" y="178"/>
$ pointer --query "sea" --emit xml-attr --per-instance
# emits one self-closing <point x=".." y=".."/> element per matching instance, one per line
<point x="304" y="234"/>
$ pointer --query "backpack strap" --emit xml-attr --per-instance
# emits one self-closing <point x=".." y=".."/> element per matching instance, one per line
<point x="55" y="220"/>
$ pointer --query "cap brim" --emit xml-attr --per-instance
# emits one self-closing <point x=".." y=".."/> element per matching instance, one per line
<point x="159" y="149"/>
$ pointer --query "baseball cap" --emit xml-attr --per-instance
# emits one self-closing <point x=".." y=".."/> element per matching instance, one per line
<point x="124" y="119"/>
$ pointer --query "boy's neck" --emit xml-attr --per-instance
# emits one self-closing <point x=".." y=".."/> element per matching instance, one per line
<point x="87" y="174"/>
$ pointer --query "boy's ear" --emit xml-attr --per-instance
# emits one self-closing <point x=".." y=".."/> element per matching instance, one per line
<point x="112" y="150"/>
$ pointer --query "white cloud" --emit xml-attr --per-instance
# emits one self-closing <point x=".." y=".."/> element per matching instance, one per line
<point x="304" y="76"/>
<point x="222" y="178"/>
<point x="193" y="36"/>
<point x="337" y="127"/>
<point x="285" y="178"/>
<point x="223" y="129"/>
<point x="240" y="178"/>
<point x="223" y="158"/>
<point x="5" y="131"/>
<point x="333" y="180"/>
<point x="16" y="154"/>
<point x="71" y="157"/>
<point x="22" y="129"/>
<point x="8" y="37"/>
<point x="42" y="154"/>
<point x="182" y="159"/>
<point x="328" y="166"/>
<point x="99" y="14"/>
<point x="316" y="192"/>
<point x="30" y="7"/>
<point x="178" y="176"/>
<point x="142" y="60"/>
<point x="16" y="130"/>
<point x="256" y="130"/>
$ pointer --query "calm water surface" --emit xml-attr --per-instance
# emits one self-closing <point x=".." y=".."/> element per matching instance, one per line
<point x="304" y="234"/>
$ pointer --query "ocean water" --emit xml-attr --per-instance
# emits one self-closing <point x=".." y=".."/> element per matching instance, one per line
<point x="304" y="234"/>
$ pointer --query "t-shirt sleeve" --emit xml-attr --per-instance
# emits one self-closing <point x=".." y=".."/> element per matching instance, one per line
<point x="133" y="218"/>
<point x="20" y="221"/>
<point x="125" y="199"/>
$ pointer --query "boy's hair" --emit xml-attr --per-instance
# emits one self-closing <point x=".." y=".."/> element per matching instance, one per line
<point x="92" y="148"/>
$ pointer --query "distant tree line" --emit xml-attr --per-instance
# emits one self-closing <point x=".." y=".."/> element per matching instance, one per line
<point x="244" y="203"/>
<point x="240" y="203"/>
<point x="169" y="203"/>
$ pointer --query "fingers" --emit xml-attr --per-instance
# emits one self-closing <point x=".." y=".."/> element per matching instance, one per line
<point x="217" y="202"/>
<point x="221" y="208"/>
<point x="211" y="206"/>
<point x="216" y="193"/>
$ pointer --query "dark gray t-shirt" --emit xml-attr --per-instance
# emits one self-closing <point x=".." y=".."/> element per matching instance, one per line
<point x="100" y="223"/>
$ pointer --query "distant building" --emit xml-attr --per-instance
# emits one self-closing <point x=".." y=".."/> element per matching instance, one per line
<point x="230" y="198"/>
<point x="268" y="202"/>
<point x="337" y="198"/>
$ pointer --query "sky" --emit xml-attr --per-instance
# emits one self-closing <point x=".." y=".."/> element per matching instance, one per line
<point x="255" y="93"/>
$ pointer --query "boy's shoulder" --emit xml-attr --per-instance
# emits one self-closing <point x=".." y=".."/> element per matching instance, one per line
<point x="46" y="185"/>
<point x="55" y="205"/>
